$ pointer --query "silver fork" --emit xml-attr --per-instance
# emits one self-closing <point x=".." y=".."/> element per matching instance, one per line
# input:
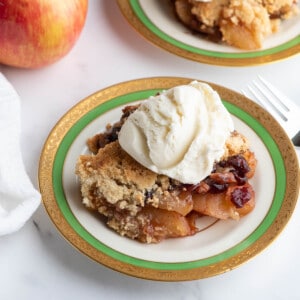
<point x="285" y="111"/>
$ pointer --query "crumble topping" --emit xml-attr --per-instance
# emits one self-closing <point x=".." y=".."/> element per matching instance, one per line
<point x="150" y="207"/>
<point x="240" y="23"/>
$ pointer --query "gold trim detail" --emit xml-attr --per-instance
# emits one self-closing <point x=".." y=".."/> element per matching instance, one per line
<point x="83" y="107"/>
<point x="140" y="27"/>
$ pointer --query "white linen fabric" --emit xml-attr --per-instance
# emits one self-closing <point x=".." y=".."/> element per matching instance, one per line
<point x="18" y="197"/>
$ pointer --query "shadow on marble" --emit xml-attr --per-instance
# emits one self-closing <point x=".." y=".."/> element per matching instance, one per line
<point x="66" y="255"/>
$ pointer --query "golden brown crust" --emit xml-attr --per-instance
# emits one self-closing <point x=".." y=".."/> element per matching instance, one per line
<point x="133" y="197"/>
<point x="241" y="23"/>
<point x="119" y="179"/>
<point x="236" y="144"/>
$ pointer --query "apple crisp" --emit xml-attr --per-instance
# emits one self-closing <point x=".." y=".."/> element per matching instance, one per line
<point x="240" y="23"/>
<point x="150" y="207"/>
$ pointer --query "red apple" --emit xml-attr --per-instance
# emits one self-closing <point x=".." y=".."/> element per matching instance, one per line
<point x="36" y="33"/>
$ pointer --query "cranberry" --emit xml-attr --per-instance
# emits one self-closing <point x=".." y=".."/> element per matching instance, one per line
<point x="241" y="180"/>
<point x="113" y="135"/>
<point x="148" y="195"/>
<point x="240" y="196"/>
<point x="215" y="187"/>
<point x="239" y="163"/>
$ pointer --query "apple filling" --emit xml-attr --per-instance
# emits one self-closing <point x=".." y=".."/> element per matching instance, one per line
<point x="150" y="207"/>
<point x="240" y="23"/>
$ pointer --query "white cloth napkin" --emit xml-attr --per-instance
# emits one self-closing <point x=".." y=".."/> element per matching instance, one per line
<point x="18" y="197"/>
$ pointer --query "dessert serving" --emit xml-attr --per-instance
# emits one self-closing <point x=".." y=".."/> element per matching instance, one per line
<point x="167" y="162"/>
<point x="241" y="23"/>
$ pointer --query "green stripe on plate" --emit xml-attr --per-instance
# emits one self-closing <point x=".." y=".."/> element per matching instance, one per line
<point x="84" y="234"/>
<point x="252" y="54"/>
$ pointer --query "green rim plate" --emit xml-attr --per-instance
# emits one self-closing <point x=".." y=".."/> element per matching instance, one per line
<point x="172" y="41"/>
<point x="61" y="138"/>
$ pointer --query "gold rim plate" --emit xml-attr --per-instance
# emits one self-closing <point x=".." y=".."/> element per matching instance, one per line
<point x="219" y="248"/>
<point x="155" y="20"/>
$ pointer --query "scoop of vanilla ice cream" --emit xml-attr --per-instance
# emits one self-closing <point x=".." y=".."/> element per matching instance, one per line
<point x="179" y="133"/>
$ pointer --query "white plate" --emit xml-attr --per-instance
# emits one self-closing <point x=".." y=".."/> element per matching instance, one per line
<point x="156" y="21"/>
<point x="221" y="245"/>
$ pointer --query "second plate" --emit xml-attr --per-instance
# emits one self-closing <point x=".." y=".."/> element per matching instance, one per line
<point x="156" y="21"/>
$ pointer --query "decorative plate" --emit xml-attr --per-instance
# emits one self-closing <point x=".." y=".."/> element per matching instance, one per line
<point x="156" y="21"/>
<point x="220" y="246"/>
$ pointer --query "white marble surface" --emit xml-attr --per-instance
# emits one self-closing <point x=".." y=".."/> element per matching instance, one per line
<point x="37" y="262"/>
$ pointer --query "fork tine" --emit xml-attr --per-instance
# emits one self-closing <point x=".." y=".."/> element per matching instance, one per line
<point x="276" y="93"/>
<point x="286" y="102"/>
<point x="264" y="96"/>
<point x="265" y="104"/>
<point x="283" y="109"/>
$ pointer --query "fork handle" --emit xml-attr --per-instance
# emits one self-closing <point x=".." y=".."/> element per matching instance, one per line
<point x="296" y="139"/>
<point x="296" y="142"/>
